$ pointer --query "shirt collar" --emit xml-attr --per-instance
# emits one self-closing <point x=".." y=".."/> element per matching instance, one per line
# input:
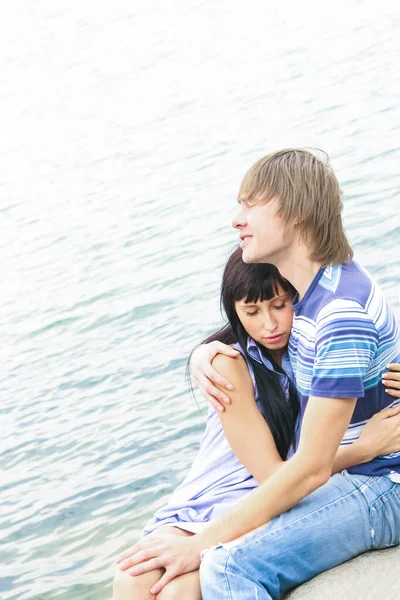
<point x="297" y="304"/>
<point x="254" y="351"/>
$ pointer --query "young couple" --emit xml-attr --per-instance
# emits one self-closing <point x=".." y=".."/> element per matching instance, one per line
<point x="260" y="511"/>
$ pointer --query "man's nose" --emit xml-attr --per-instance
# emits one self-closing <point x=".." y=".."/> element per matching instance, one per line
<point x="240" y="220"/>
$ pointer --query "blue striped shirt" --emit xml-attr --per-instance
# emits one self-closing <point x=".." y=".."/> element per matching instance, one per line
<point x="343" y="337"/>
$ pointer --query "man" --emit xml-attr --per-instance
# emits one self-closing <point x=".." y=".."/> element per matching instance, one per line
<point x="302" y="521"/>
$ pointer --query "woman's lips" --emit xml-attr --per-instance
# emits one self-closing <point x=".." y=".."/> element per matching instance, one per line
<point x="273" y="338"/>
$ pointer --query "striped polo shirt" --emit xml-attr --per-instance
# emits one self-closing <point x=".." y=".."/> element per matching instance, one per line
<point x="343" y="337"/>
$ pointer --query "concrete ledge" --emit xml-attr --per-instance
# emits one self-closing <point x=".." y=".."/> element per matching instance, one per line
<point x="371" y="576"/>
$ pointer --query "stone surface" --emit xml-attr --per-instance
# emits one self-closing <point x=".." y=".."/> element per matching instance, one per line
<point x="371" y="576"/>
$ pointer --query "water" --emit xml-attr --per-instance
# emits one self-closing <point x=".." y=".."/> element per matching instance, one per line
<point x="125" y="130"/>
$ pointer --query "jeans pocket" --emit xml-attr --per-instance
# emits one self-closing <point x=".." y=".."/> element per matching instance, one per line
<point x="385" y="519"/>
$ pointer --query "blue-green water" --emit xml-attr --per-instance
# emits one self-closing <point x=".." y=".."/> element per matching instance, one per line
<point x="124" y="131"/>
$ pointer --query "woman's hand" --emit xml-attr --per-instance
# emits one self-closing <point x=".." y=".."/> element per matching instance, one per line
<point x="381" y="435"/>
<point x="205" y="376"/>
<point x="176" y="554"/>
<point x="391" y="380"/>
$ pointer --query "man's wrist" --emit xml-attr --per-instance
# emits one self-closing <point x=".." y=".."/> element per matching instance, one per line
<point x="199" y="544"/>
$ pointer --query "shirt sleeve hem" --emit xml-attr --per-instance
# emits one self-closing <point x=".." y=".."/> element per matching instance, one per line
<point x="337" y="393"/>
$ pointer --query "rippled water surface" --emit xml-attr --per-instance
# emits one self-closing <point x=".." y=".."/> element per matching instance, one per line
<point x="125" y="130"/>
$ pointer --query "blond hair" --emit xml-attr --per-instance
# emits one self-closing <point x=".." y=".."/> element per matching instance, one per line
<point x="308" y="195"/>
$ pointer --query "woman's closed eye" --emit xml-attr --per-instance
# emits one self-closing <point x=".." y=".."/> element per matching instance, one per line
<point x="280" y="306"/>
<point x="251" y="314"/>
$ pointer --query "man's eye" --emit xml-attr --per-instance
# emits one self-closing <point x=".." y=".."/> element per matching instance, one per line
<point x="246" y="204"/>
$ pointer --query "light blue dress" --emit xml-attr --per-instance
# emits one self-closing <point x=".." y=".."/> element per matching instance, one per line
<point x="217" y="479"/>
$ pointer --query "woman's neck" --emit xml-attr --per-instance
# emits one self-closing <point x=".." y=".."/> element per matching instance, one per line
<point x="277" y="355"/>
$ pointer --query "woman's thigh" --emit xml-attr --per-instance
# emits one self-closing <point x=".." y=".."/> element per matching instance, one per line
<point x="127" y="587"/>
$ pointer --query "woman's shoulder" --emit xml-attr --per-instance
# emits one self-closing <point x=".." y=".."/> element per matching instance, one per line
<point x="233" y="368"/>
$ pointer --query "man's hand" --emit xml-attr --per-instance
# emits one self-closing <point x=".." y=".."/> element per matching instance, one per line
<point x="391" y="380"/>
<point x="176" y="554"/>
<point x="205" y="376"/>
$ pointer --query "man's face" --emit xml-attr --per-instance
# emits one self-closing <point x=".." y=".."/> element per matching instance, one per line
<point x="265" y="239"/>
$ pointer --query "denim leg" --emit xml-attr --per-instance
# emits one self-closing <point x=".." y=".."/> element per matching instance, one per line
<point x="347" y="516"/>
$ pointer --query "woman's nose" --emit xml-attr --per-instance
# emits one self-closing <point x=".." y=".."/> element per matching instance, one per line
<point x="269" y="323"/>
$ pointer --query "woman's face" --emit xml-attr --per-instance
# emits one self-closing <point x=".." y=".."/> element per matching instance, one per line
<point x="268" y="322"/>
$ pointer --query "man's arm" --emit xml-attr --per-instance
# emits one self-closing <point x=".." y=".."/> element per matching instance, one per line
<point x="324" y="424"/>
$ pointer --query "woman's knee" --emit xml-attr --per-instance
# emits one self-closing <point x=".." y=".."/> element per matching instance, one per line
<point x="172" y="591"/>
<point x="185" y="587"/>
<point x="126" y="587"/>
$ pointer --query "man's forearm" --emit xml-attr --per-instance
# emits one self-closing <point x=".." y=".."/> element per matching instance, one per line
<point x="285" y="488"/>
<point x="356" y="453"/>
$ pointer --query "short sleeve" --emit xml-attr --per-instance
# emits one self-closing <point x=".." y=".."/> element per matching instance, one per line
<point x="346" y="341"/>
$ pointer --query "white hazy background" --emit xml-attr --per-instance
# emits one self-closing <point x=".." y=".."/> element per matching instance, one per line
<point x="125" y="129"/>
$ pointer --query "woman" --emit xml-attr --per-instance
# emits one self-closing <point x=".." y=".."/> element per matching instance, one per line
<point x="246" y="443"/>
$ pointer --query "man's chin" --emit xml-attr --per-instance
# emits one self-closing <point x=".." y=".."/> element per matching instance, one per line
<point x="246" y="257"/>
<point x="249" y="257"/>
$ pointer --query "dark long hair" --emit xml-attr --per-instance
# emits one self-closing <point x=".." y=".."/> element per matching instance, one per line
<point x="254" y="283"/>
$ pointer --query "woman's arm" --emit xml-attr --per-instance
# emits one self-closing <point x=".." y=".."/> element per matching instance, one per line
<point x="245" y="428"/>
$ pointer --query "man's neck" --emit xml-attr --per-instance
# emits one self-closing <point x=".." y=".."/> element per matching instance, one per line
<point x="298" y="268"/>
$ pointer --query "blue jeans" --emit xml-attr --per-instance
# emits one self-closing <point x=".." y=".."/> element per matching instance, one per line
<point x="347" y="516"/>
